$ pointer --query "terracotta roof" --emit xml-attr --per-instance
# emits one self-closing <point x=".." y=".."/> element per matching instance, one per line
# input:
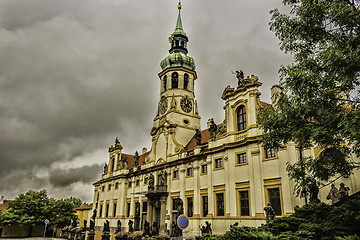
<point x="265" y="105"/>
<point x="4" y="205"/>
<point x="84" y="207"/>
<point x="131" y="159"/>
<point x="205" y="137"/>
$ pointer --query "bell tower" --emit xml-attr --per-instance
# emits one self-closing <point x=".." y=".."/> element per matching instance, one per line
<point x="177" y="115"/>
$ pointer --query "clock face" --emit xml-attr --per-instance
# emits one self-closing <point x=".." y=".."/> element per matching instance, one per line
<point x="186" y="104"/>
<point x="163" y="106"/>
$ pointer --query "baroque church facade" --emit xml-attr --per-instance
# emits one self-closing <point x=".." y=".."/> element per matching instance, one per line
<point x="220" y="175"/>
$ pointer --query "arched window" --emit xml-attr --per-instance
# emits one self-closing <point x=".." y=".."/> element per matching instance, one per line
<point x="186" y="81"/>
<point x="174" y="80"/>
<point x="164" y="83"/>
<point x="241" y="118"/>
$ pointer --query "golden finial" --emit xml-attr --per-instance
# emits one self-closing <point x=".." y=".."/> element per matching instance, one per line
<point x="179" y="6"/>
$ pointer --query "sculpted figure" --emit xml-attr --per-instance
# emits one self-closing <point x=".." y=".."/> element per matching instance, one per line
<point x="198" y="137"/>
<point x="118" y="229"/>
<point x="343" y="191"/>
<point x="105" y="168"/>
<point x="334" y="194"/>
<point x="208" y="227"/>
<point x="146" y="228"/>
<point x="94" y="212"/>
<point x="269" y="213"/>
<point x="240" y="77"/>
<point x="212" y="129"/>
<point x="106" y="226"/>
<point x="137" y="209"/>
<point x="137" y="157"/>
<point x="314" y="191"/>
<point x="131" y="228"/>
<point x="92" y="225"/>
<point x="151" y="182"/>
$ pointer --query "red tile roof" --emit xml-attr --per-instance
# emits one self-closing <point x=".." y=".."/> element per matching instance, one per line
<point x="84" y="207"/>
<point x="4" y="205"/>
<point x="265" y="105"/>
<point x="131" y="159"/>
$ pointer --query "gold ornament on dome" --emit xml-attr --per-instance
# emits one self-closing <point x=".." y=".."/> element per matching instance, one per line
<point x="171" y="38"/>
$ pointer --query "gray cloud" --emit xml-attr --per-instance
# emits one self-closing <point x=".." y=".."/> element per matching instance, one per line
<point x="84" y="174"/>
<point x="76" y="74"/>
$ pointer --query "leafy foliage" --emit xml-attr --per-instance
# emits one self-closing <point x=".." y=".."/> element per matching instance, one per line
<point x="314" y="221"/>
<point x="320" y="99"/>
<point x="34" y="207"/>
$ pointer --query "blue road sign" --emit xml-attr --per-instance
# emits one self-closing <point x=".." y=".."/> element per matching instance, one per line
<point x="183" y="221"/>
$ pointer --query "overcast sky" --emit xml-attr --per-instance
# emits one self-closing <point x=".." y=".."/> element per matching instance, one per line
<point x="76" y="74"/>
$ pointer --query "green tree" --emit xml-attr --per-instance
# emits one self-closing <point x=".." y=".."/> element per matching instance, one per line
<point x="320" y="98"/>
<point x="35" y="207"/>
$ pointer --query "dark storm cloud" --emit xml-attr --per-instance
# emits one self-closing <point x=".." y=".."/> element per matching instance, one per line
<point x="85" y="174"/>
<point x="76" y="74"/>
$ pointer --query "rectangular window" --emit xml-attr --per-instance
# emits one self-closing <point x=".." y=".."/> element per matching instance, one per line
<point x="241" y="158"/>
<point x="137" y="182"/>
<point x="244" y="203"/>
<point x="176" y="174"/>
<point x="270" y="153"/>
<point x="190" y="206"/>
<point x="219" y="163"/>
<point x="274" y="199"/>
<point x="174" y="202"/>
<point x="103" y="188"/>
<point x="101" y="210"/>
<point x="220" y="204"/>
<point x="129" y="184"/>
<point x="107" y="210"/>
<point x="205" y="206"/>
<point x="146" y="179"/>
<point x="189" y="172"/>
<point x="204" y="168"/>
<point x="144" y="207"/>
<point x="114" y="210"/>
<point x="128" y="210"/>
<point x="116" y="185"/>
<point x="109" y="187"/>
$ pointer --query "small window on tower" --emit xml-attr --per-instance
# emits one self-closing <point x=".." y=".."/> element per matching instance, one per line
<point x="174" y="80"/>
<point x="186" y="81"/>
<point x="164" y="82"/>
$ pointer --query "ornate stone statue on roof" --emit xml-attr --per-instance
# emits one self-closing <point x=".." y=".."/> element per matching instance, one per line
<point x="212" y="129"/>
<point x="198" y="137"/>
<point x="240" y="77"/>
<point x="105" y="168"/>
<point x="137" y="157"/>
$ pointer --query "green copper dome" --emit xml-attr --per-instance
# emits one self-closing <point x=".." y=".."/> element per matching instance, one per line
<point x="178" y="59"/>
<point x="178" y="51"/>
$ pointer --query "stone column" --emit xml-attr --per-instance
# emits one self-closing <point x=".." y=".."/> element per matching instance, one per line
<point x="258" y="183"/>
<point x="155" y="205"/>
<point x="132" y="204"/>
<point x="182" y="185"/>
<point x="122" y="198"/>
<point x="149" y="211"/>
<point x="162" y="214"/>
<point x="196" y="191"/>
<point x="210" y="186"/>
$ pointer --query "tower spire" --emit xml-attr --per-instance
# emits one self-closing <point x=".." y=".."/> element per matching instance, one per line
<point x="179" y="28"/>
